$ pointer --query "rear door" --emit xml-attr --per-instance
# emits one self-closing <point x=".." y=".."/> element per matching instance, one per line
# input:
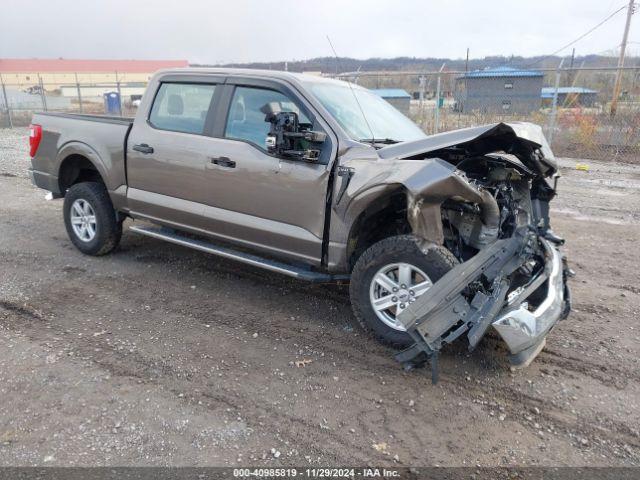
<point x="168" y="150"/>
<point x="274" y="204"/>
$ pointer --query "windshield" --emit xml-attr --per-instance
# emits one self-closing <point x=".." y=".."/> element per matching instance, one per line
<point x="387" y="123"/>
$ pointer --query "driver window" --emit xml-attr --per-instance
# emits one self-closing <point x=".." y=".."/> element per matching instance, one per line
<point x="246" y="120"/>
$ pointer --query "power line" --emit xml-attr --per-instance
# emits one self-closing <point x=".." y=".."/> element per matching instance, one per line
<point x="580" y="37"/>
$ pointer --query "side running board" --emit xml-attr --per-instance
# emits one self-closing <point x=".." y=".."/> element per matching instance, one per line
<point x="300" y="273"/>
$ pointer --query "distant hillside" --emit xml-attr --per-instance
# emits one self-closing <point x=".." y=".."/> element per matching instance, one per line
<point x="346" y="64"/>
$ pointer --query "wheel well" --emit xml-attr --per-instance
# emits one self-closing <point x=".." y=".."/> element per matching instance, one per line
<point x="383" y="218"/>
<point x="76" y="169"/>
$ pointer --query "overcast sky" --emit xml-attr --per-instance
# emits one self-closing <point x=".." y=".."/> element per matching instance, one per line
<point x="210" y="31"/>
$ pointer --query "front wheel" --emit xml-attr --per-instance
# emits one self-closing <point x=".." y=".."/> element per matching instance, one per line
<point x="90" y="219"/>
<point x="389" y="276"/>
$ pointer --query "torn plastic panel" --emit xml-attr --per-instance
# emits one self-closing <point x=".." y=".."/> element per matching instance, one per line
<point x="449" y="309"/>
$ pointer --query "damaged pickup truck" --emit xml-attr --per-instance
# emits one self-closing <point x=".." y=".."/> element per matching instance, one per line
<point x="439" y="236"/>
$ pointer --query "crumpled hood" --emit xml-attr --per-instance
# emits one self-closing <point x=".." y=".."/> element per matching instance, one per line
<point x="522" y="139"/>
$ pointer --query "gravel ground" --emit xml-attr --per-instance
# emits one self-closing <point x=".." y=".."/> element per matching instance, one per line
<point x="158" y="355"/>
<point x="14" y="152"/>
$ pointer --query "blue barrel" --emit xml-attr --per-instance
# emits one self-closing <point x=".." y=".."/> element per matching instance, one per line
<point x="112" y="103"/>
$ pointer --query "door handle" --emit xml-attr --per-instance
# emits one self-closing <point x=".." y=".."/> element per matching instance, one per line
<point x="143" y="148"/>
<point x="224" y="162"/>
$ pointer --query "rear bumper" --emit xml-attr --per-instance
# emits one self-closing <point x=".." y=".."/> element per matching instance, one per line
<point x="521" y="328"/>
<point x="45" y="181"/>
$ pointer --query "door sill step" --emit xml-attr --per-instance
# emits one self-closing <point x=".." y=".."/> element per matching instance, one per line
<point x="300" y="273"/>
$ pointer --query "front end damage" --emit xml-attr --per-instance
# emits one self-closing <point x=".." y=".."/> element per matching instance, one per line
<point x="485" y="196"/>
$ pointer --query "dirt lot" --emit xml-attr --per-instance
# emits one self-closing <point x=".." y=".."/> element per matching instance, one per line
<point x="158" y="355"/>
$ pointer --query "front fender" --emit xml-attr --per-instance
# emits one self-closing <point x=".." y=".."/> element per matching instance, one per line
<point x="427" y="184"/>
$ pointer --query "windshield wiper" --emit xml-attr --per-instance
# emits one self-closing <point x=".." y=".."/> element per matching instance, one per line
<point x="385" y="141"/>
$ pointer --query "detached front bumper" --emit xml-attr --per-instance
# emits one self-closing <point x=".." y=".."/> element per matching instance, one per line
<point x="524" y="330"/>
<point x="447" y="310"/>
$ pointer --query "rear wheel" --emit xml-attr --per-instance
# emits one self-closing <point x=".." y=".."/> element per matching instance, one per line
<point x="388" y="277"/>
<point x="90" y="219"/>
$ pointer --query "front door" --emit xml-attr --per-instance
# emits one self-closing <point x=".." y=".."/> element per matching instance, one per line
<point x="274" y="204"/>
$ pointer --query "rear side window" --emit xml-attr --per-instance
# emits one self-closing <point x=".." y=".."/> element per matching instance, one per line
<point x="181" y="107"/>
<point x="246" y="119"/>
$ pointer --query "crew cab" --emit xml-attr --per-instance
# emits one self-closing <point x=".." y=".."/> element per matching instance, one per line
<point x="322" y="180"/>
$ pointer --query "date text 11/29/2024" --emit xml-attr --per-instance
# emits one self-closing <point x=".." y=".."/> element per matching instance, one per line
<point x="368" y="472"/>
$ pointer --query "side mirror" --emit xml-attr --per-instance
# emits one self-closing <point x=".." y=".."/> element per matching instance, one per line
<point x="287" y="139"/>
<point x="270" y="109"/>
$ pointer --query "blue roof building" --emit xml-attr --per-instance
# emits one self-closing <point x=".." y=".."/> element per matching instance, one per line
<point x="391" y="93"/>
<point x="547" y="92"/>
<point x="502" y="72"/>
<point x="570" y="96"/>
<point x="396" y="97"/>
<point x="504" y="90"/>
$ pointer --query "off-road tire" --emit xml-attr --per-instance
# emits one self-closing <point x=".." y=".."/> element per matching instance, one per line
<point x="435" y="262"/>
<point x="108" y="227"/>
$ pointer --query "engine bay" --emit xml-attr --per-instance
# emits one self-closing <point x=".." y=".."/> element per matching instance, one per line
<point x="468" y="228"/>
<point x="506" y="190"/>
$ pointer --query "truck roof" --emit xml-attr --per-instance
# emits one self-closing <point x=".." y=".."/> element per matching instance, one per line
<point x="297" y="78"/>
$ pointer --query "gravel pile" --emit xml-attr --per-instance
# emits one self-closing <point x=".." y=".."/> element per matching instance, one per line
<point x="14" y="152"/>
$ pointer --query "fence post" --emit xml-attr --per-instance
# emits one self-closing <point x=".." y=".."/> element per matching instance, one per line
<point x="79" y="93"/>
<point x="423" y="82"/>
<point x="6" y="102"/>
<point x="436" y="125"/>
<point x="119" y="94"/>
<point x="42" y="95"/>
<point x="554" y="104"/>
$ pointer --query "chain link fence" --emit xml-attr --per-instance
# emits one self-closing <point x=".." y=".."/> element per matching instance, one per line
<point x="572" y="105"/>
<point x="18" y="101"/>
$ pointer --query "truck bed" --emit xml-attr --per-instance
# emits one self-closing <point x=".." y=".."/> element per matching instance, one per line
<point x="90" y="117"/>
<point x="99" y="138"/>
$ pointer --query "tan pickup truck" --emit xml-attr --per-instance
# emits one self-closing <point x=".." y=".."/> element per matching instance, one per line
<point x="439" y="236"/>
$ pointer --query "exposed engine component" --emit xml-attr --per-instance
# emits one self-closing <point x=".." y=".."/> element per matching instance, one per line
<point x="504" y="188"/>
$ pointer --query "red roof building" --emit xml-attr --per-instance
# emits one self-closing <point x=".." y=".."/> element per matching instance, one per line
<point x="61" y="65"/>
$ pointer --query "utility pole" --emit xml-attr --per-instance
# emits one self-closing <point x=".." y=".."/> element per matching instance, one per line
<point x="466" y="63"/>
<point x="623" y="48"/>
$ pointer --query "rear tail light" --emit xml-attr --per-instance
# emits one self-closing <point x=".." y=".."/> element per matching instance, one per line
<point x="35" y="135"/>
